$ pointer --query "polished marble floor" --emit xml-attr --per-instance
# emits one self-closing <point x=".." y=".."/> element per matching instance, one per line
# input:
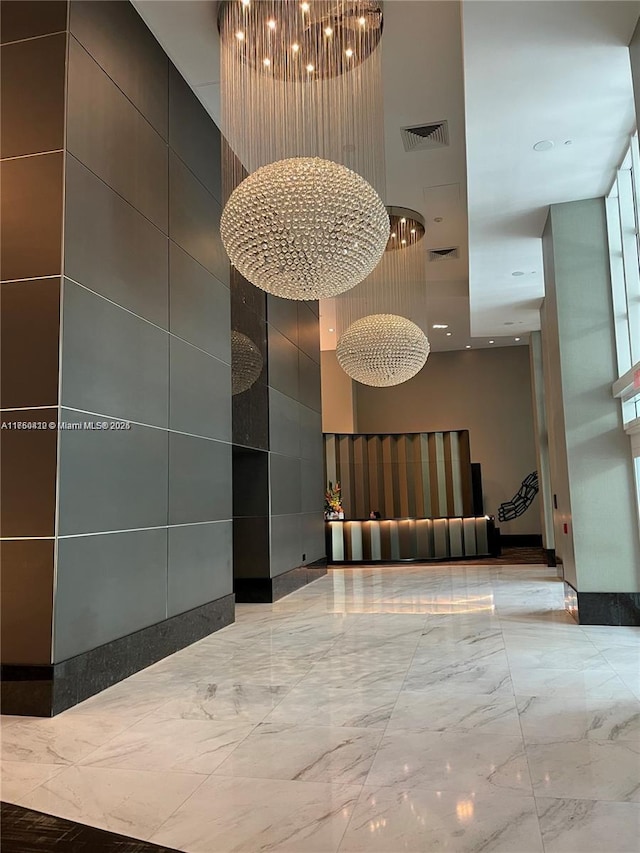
<point x="386" y="709"/>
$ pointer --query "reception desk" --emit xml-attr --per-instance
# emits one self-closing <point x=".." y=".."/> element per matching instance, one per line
<point x="407" y="539"/>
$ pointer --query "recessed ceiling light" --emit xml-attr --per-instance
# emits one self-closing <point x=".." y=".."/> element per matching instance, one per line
<point x="517" y="272"/>
<point x="516" y="339"/>
<point x="449" y="334"/>
<point x="437" y="218"/>
<point x="543" y="145"/>
<point x="468" y="346"/>
<point x="333" y="330"/>
<point x="240" y="35"/>
<point x="492" y="342"/>
<point x="440" y="325"/>
<point x="568" y="142"/>
<point x="509" y="323"/>
<point x="271" y="24"/>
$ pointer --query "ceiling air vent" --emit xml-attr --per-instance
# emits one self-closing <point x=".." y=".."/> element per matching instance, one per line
<point x="422" y="136"/>
<point x="449" y="254"/>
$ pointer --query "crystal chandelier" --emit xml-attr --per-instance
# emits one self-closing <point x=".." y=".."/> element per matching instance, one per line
<point x="382" y="350"/>
<point x="304" y="228"/>
<point x="246" y="363"/>
<point x="392" y="300"/>
<point x="301" y="108"/>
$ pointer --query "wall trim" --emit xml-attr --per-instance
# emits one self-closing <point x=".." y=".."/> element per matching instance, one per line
<point x="268" y="590"/>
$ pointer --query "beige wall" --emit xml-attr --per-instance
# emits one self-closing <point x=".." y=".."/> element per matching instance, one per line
<point x="338" y="396"/>
<point x="485" y="391"/>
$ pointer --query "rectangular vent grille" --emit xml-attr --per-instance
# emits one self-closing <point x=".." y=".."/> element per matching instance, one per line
<point x="448" y="254"/>
<point x="423" y="136"/>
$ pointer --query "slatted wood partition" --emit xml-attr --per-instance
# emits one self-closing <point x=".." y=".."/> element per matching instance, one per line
<point x="419" y="475"/>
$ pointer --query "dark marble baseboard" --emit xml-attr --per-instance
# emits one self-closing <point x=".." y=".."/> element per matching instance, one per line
<point x="44" y="691"/>
<point x="27" y="831"/>
<point x="521" y="540"/>
<point x="268" y="590"/>
<point x="603" y="608"/>
<point x="551" y="557"/>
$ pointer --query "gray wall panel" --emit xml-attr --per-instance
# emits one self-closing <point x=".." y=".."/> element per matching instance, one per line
<point x="199" y="564"/>
<point x="200" y="305"/>
<point x="194" y="219"/>
<point x="113" y="363"/>
<point x="283" y="363"/>
<point x="311" y="485"/>
<point x="26" y="604"/>
<point x="286" y="543"/>
<point x="108" y="586"/>
<point x="111" y="479"/>
<point x="28" y="475"/>
<point x="25" y="20"/>
<point x="108" y="134"/>
<point x="113" y="249"/>
<point x="309" y="393"/>
<point x="31" y="216"/>
<point x="312" y="539"/>
<point x="199" y="479"/>
<point x="29" y="339"/>
<point x="193" y="136"/>
<point x="311" y="445"/>
<point x="200" y="389"/>
<point x="32" y="75"/>
<point x="282" y="314"/>
<point x="284" y="484"/>
<point x="284" y="424"/>
<point x="308" y="336"/>
<point x="120" y="42"/>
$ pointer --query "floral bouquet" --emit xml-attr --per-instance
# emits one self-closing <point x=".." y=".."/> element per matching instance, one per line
<point x="333" y="501"/>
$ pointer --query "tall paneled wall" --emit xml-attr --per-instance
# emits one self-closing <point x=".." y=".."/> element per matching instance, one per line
<point x="128" y="325"/>
<point x="418" y="475"/>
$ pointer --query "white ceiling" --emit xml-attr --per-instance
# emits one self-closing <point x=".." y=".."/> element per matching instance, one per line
<point x="537" y="71"/>
<point x="525" y="71"/>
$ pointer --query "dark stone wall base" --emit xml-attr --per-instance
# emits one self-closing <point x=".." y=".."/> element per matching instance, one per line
<point x="603" y="608"/>
<point x="551" y="557"/>
<point x="44" y="691"/>
<point x="521" y="540"/>
<point x="268" y="590"/>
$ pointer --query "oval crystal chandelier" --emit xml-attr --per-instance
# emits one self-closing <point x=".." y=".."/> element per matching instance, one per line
<point x="382" y="350"/>
<point x="304" y="228"/>
<point x="301" y="108"/>
<point x="387" y="312"/>
<point x="246" y="362"/>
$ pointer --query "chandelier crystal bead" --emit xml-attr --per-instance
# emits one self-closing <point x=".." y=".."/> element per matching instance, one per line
<point x="382" y="350"/>
<point x="246" y="363"/>
<point x="304" y="228"/>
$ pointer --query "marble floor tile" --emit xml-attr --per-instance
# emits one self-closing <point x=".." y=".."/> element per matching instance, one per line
<point x="234" y="702"/>
<point x="336" y="706"/>
<point x="446" y="710"/>
<point x="585" y="769"/>
<point x="463" y="676"/>
<point x="228" y="815"/>
<point x="592" y="717"/>
<point x="340" y="755"/>
<point x="133" y="802"/>
<point x="451" y="761"/>
<point x="19" y="778"/>
<point x="528" y="681"/>
<point x="354" y="673"/>
<point x="390" y="820"/>
<point x="64" y="739"/>
<point x="589" y="826"/>
<point x="129" y="699"/>
<point x="190" y="746"/>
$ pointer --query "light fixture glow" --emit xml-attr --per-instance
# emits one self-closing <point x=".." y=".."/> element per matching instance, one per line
<point x="492" y="342"/>
<point x="245" y="3"/>
<point x="440" y="325"/>
<point x="266" y="62"/>
<point x="290" y="228"/>
<point x="362" y="21"/>
<point x="240" y="35"/>
<point x="449" y="334"/>
<point x="516" y="339"/>
<point x="382" y="350"/>
<point x="332" y="330"/>
<point x="271" y="24"/>
<point x="310" y="68"/>
<point x="468" y="346"/>
<point x="328" y="31"/>
<point x="305" y="7"/>
<point x="295" y="47"/>
<point x="349" y="52"/>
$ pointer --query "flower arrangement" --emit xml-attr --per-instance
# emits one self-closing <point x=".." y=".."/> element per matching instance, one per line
<point x="333" y="501"/>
